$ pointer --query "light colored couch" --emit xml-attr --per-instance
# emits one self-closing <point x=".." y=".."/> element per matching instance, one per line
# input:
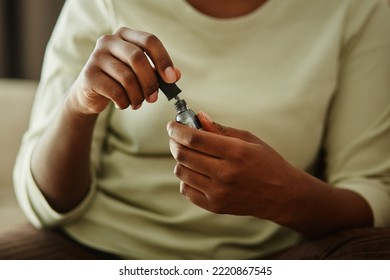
<point x="16" y="97"/>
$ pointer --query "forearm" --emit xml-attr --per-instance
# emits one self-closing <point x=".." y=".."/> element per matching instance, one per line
<point x="319" y="208"/>
<point x="60" y="162"/>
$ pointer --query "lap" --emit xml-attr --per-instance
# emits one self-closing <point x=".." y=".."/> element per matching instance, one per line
<point x="28" y="243"/>
<point x="355" y="244"/>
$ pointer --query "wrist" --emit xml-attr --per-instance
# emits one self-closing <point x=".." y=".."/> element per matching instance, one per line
<point x="74" y="110"/>
<point x="291" y="197"/>
<point x="317" y="208"/>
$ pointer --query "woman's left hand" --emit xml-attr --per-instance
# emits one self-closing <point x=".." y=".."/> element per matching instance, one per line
<point x="230" y="171"/>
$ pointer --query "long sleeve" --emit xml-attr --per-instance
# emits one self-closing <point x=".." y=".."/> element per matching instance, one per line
<point x="284" y="59"/>
<point x="358" y="135"/>
<point x="73" y="39"/>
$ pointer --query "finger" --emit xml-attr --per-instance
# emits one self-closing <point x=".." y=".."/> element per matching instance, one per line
<point x="122" y="73"/>
<point x="193" y="195"/>
<point x="209" y="125"/>
<point x="154" y="49"/>
<point x="205" y="142"/>
<point x="97" y="82"/>
<point x="144" y="72"/>
<point x="136" y="59"/>
<point x="194" y="160"/>
<point x="237" y="133"/>
<point x="197" y="180"/>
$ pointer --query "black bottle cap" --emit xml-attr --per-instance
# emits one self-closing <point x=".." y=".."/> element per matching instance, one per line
<point x="170" y="90"/>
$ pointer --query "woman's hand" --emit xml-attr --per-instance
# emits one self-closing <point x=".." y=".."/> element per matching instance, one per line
<point x="118" y="70"/>
<point x="230" y="171"/>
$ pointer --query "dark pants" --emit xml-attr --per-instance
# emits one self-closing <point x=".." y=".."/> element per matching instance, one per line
<point x="353" y="244"/>
<point x="28" y="243"/>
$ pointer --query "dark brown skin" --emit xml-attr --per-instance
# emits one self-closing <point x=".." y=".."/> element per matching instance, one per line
<point x="117" y="71"/>
<point x="223" y="170"/>
<point x="230" y="171"/>
<point x="226" y="8"/>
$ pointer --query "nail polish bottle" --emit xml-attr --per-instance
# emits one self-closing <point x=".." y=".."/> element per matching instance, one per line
<point x="185" y="115"/>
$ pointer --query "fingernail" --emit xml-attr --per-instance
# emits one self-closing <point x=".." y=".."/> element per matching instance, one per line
<point x="153" y="97"/>
<point x="207" y="117"/>
<point x="169" y="128"/>
<point x="136" y="107"/>
<point x="182" y="189"/>
<point x="117" y="106"/>
<point x="170" y="75"/>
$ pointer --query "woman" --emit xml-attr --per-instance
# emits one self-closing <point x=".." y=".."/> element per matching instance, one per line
<point x="302" y="77"/>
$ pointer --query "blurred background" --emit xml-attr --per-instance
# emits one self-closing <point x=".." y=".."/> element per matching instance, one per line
<point x="25" y="27"/>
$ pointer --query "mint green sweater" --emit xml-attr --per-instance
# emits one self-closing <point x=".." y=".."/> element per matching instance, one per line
<point x="301" y="75"/>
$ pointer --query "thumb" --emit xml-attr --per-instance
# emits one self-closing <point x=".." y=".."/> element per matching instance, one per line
<point x="211" y="126"/>
<point x="208" y="124"/>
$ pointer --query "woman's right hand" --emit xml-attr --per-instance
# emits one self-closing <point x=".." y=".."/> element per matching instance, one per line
<point x="119" y="71"/>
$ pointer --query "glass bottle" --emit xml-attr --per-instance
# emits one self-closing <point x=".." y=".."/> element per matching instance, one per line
<point x="185" y="115"/>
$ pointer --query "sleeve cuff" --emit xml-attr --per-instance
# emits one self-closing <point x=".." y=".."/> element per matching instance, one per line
<point x="46" y="214"/>
<point x="38" y="210"/>
<point x="376" y="196"/>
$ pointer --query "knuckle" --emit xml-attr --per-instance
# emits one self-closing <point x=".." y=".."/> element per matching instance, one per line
<point x="103" y="40"/>
<point x="150" y="88"/>
<point x="121" y="30"/>
<point x="128" y="79"/>
<point x="137" y="55"/>
<point x="227" y="175"/>
<point x="116" y="93"/>
<point x="217" y="199"/>
<point x="177" y="151"/>
<point x="193" y="140"/>
<point x="247" y="134"/>
<point x="223" y="130"/>
<point x="150" y="40"/>
<point x="180" y="155"/>
<point x="178" y="171"/>
<point x="96" y="57"/>
<point x="89" y="71"/>
<point x="240" y="153"/>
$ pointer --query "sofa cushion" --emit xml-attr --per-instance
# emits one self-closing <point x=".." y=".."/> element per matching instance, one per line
<point x="16" y="97"/>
